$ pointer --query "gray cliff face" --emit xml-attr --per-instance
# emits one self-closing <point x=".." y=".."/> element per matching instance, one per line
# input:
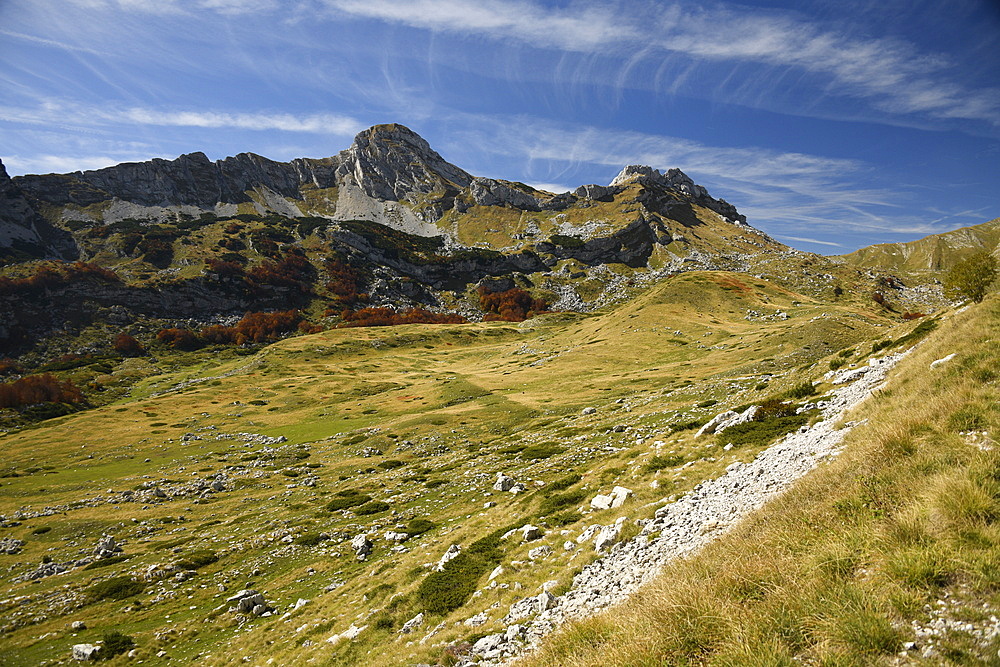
<point x="385" y="163"/>
<point x="190" y="180"/>
<point x="23" y="228"/>
<point x="678" y="181"/>
<point x="393" y="163"/>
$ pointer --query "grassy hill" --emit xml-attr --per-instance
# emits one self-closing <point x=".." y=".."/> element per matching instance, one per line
<point x="933" y="254"/>
<point x="892" y="549"/>
<point x="319" y="438"/>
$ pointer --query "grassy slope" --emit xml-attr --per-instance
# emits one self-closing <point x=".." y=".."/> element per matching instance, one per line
<point x="931" y="254"/>
<point x="454" y="404"/>
<point x="834" y="571"/>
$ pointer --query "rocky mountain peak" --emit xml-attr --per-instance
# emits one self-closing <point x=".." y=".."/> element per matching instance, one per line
<point x="392" y="162"/>
<point x="676" y="180"/>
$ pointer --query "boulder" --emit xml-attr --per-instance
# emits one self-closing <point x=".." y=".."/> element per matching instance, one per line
<point x="609" y="535"/>
<point x="503" y="483"/>
<point x="602" y="502"/>
<point x="728" y="419"/>
<point x="86" y="651"/>
<point x="412" y="624"/>
<point x="106" y="547"/>
<point x="529" y="532"/>
<point x="619" y="495"/>
<point x="539" y="552"/>
<point x="362" y="546"/>
<point x="449" y="555"/>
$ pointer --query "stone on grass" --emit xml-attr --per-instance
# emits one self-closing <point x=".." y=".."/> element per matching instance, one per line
<point x="86" y="651"/>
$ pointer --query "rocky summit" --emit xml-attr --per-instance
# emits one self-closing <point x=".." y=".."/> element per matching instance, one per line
<point x="371" y="409"/>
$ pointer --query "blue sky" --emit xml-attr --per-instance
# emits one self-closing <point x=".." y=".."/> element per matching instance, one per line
<point x="831" y="125"/>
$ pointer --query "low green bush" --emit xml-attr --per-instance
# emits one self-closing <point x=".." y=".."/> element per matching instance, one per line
<point x="198" y="559"/>
<point x="762" y="432"/>
<point x="309" y="539"/>
<point x="347" y="499"/>
<point x="541" y="451"/>
<point x="447" y="590"/>
<point x="559" y="501"/>
<point x="105" y="562"/>
<point x="563" y="483"/>
<point x="372" y="507"/>
<point x="419" y="527"/>
<point x="677" y="427"/>
<point x="114" y="643"/>
<point x="391" y="464"/>
<point x="116" y="588"/>
<point x="660" y="462"/>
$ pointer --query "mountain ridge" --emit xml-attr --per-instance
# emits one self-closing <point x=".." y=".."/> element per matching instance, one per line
<point x="389" y="175"/>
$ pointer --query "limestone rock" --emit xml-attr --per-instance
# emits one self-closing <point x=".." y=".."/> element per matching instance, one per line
<point x="362" y="546"/>
<point x="449" y="555"/>
<point x="728" y="419"/>
<point x="504" y="482"/>
<point x="539" y="552"/>
<point x="529" y="532"/>
<point x="84" y="652"/>
<point x="412" y="624"/>
<point x="601" y="502"/>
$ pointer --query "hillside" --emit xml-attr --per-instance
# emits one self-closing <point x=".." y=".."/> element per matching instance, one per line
<point x="930" y="255"/>
<point x="262" y="471"/>
<point x="371" y="409"/>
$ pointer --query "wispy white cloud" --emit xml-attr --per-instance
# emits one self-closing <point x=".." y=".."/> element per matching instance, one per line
<point x="894" y="75"/>
<point x="61" y="164"/>
<point x="802" y="239"/>
<point x="65" y="113"/>
<point x="579" y="27"/>
<point x="315" y="123"/>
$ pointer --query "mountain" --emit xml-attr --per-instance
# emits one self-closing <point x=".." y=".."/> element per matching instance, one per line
<point x="932" y="254"/>
<point x="386" y="223"/>
<point x="371" y="409"/>
<point x="389" y="175"/>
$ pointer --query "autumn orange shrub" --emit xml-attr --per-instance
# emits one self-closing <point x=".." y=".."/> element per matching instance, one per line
<point x="179" y="339"/>
<point x="10" y="367"/>
<point x="384" y="317"/>
<point x="294" y="270"/>
<point x="56" y="274"/>
<point x="513" y="305"/>
<point x="344" y="282"/>
<point x="224" y="269"/>
<point x="254" y="328"/>
<point x="127" y="346"/>
<point x="38" y="389"/>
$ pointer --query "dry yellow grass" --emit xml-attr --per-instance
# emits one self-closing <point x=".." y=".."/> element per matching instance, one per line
<point x="834" y="570"/>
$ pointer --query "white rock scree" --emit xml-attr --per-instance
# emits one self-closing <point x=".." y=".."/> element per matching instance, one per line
<point x="684" y="526"/>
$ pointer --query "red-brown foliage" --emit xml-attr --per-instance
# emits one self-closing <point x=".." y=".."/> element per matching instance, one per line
<point x="56" y="274"/>
<point x="292" y="271"/>
<point x="224" y="269"/>
<point x="513" y="305"/>
<point x="309" y="327"/>
<point x="10" y="367"/>
<point x="254" y="328"/>
<point x="179" y="339"/>
<point x="913" y="316"/>
<point x="344" y="282"/>
<point x="878" y="298"/>
<point x="384" y="317"/>
<point x="128" y="346"/>
<point x="38" y="389"/>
